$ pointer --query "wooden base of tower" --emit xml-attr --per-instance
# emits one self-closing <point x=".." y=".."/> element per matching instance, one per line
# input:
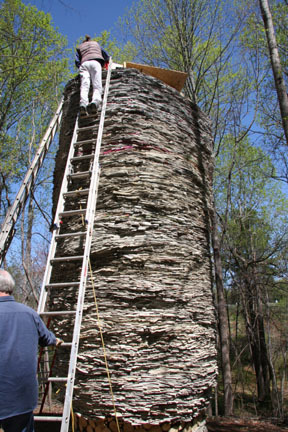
<point x="82" y="424"/>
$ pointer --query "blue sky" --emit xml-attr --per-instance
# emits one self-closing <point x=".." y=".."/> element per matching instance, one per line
<point x="76" y="18"/>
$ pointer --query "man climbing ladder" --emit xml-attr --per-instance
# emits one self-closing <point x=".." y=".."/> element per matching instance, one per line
<point x="90" y="58"/>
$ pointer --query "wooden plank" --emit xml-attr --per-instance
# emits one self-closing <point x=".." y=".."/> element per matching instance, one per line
<point x="175" y="79"/>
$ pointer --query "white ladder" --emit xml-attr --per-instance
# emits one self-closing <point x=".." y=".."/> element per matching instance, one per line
<point x="7" y="229"/>
<point x="88" y="214"/>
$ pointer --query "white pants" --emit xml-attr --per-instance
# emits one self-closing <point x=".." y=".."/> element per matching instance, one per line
<point x="90" y="70"/>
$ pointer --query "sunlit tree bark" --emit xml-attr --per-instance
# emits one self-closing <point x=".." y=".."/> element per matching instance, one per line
<point x="275" y="64"/>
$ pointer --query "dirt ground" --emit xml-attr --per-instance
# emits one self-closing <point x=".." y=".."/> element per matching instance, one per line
<point x="219" y="424"/>
<point x="222" y="424"/>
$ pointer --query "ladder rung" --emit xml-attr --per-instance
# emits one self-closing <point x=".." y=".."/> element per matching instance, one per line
<point x="92" y="115"/>
<point x="84" y="142"/>
<point x="76" y="193"/>
<point x="79" y="233"/>
<point x="85" y="128"/>
<point x="67" y="258"/>
<point x="80" y="158"/>
<point x="62" y="284"/>
<point x="80" y="174"/>
<point x="57" y="379"/>
<point x="47" y="418"/>
<point x="66" y="344"/>
<point x="56" y="313"/>
<point x="69" y="213"/>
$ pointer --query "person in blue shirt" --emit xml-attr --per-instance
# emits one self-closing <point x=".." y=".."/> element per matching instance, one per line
<point x="21" y="330"/>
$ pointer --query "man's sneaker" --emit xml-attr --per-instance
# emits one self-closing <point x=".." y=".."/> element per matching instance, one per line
<point x="92" y="108"/>
<point x="83" y="111"/>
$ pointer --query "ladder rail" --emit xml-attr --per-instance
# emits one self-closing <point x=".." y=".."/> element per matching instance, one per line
<point x="89" y="219"/>
<point x="88" y="215"/>
<point x="53" y="244"/>
<point x="7" y="230"/>
<point x="93" y="193"/>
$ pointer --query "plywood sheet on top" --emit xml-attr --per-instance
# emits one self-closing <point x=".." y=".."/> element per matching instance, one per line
<point x="172" y="78"/>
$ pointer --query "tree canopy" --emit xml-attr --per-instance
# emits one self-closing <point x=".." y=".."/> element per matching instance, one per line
<point x="33" y="67"/>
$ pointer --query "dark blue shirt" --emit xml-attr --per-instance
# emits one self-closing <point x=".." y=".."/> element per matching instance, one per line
<point x="21" y="330"/>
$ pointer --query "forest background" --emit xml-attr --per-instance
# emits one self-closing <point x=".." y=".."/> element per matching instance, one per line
<point x="236" y="75"/>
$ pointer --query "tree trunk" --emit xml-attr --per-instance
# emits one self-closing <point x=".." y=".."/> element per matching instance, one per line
<point x="222" y="323"/>
<point x="275" y="64"/>
<point x="256" y="336"/>
<point x="26" y="253"/>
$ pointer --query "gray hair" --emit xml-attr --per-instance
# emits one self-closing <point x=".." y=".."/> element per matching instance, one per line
<point x="7" y="283"/>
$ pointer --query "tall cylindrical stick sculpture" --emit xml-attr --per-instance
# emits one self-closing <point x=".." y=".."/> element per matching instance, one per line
<point x="150" y="261"/>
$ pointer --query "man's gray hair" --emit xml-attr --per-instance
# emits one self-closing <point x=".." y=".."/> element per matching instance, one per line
<point x="7" y="283"/>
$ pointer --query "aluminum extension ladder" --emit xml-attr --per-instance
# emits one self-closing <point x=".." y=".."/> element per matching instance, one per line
<point x="61" y="214"/>
<point x="8" y="226"/>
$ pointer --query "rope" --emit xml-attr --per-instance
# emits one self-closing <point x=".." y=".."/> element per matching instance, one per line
<point x="103" y="346"/>
<point x="102" y="339"/>
<point x="72" y="418"/>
